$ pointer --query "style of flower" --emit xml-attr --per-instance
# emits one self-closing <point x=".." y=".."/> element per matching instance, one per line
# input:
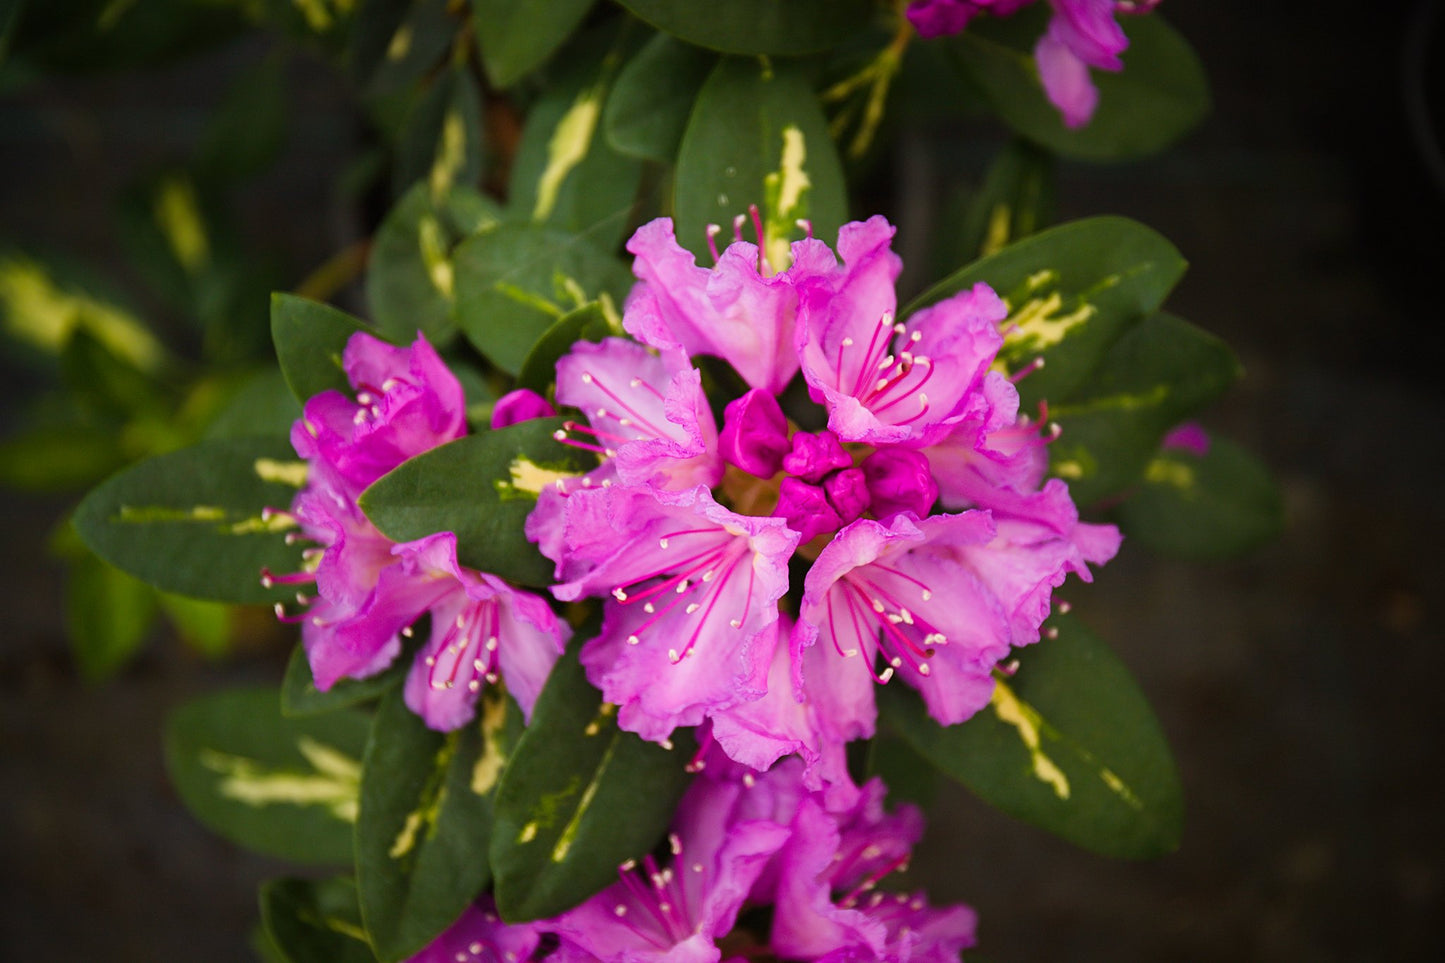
<point x="370" y="590"/>
<point x="1081" y="34"/>
<point x="688" y="532"/>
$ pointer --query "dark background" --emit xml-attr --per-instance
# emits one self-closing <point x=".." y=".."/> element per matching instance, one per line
<point x="1299" y="688"/>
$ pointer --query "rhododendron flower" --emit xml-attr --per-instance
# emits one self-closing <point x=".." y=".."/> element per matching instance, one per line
<point x="370" y="590"/>
<point x="693" y="536"/>
<point x="1081" y="34"/>
<point x="766" y="841"/>
<point x="692" y="591"/>
<point x="480" y="936"/>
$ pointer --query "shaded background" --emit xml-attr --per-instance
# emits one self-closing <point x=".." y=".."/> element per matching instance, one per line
<point x="1298" y="688"/>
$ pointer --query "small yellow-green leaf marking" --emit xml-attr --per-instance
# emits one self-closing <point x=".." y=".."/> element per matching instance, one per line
<point x="291" y="473"/>
<point x="528" y="479"/>
<point x="334" y="783"/>
<point x="1014" y="712"/>
<point x="567" y="147"/>
<point x="564" y="841"/>
<point x="785" y="190"/>
<point x="451" y="153"/>
<point x="494" y="753"/>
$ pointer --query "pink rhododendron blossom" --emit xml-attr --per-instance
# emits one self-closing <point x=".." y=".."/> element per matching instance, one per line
<point x="693" y="537"/>
<point x="692" y="591"/>
<point x="521" y="405"/>
<point x="480" y="936"/>
<point x="1081" y="34"/>
<point x="1190" y="437"/>
<point x="369" y="590"/>
<point x="647" y="413"/>
<point x="733" y="311"/>
<point x="740" y="842"/>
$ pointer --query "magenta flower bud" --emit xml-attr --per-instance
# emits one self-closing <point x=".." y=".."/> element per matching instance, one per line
<point x="755" y="434"/>
<point x="806" y="510"/>
<point x="524" y="404"/>
<point x="814" y="455"/>
<point x="899" y="480"/>
<point x="847" y="493"/>
<point x="1189" y="436"/>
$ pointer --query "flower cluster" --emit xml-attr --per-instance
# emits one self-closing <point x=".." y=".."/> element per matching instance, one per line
<point x="757" y="578"/>
<point x="740" y="843"/>
<point x="1081" y="34"/>
<point x="694" y="535"/>
<point x="369" y="590"/>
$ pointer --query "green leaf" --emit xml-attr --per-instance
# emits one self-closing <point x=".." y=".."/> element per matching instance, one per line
<point x="591" y="322"/>
<point x="650" y="103"/>
<point x="426" y="820"/>
<point x="373" y="34"/>
<point x="1161" y="93"/>
<point x="59" y="458"/>
<point x="1016" y="200"/>
<point x="108" y="616"/>
<point x="285" y="787"/>
<point x="1068" y="743"/>
<point x="263" y="405"/>
<point x="514" y="282"/>
<point x="315" y="921"/>
<point x="517" y="36"/>
<point x="310" y="339"/>
<point x="1216" y="506"/>
<point x="410" y="279"/>
<point x="194" y="521"/>
<point x="578" y="797"/>
<point x="788" y="27"/>
<point x="246" y="133"/>
<point x="482" y="487"/>
<point x="440" y="141"/>
<point x="109" y="384"/>
<point x="1072" y="291"/>
<point x="9" y="17"/>
<point x="300" y="697"/>
<point x="206" y="627"/>
<point x="565" y="173"/>
<point x="1159" y="373"/>
<point x="397" y="52"/>
<point x="757" y="136"/>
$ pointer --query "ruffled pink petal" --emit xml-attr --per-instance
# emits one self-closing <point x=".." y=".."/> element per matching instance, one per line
<point x="690" y="624"/>
<point x="731" y="311"/>
<point x="1065" y="78"/>
<point x="1089" y="30"/>
<point x="647" y="413"/>
<point x="1039" y="541"/>
<point x="481" y="629"/>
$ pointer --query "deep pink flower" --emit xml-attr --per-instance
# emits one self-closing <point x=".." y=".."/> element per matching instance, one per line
<point x="1189" y="436"/>
<point x="885" y="383"/>
<point x="767" y="841"/>
<point x="482" y="629"/>
<point x="735" y="311"/>
<point x="480" y="936"/>
<point x="521" y="405"/>
<point x="691" y="589"/>
<point x="647" y="414"/>
<point x="370" y="590"/>
<point x="675" y="913"/>
<point x="1081" y="34"/>
<point x="897" y="593"/>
